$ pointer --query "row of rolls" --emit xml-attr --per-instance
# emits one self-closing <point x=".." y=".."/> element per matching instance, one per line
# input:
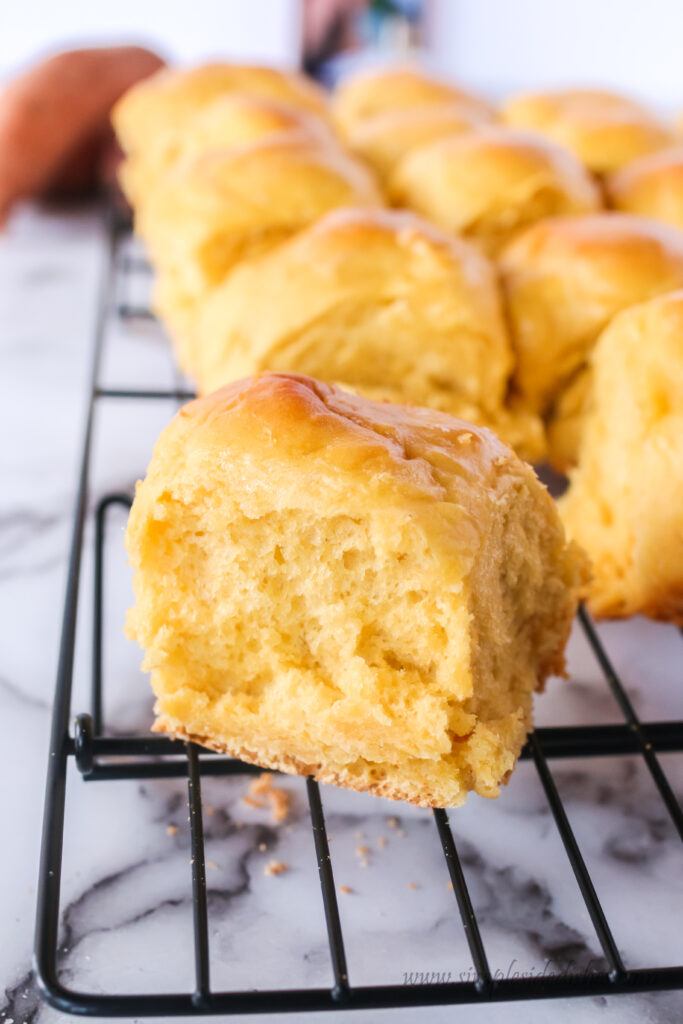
<point x="408" y="241"/>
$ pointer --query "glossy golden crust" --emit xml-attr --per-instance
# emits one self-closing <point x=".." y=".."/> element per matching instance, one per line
<point x="230" y="120"/>
<point x="380" y="302"/>
<point x="491" y="183"/>
<point x="625" y="500"/>
<point x="164" y="105"/>
<point x="363" y="591"/>
<point x="604" y="130"/>
<point x="651" y="186"/>
<point x="212" y="212"/>
<point x="385" y="138"/>
<point x="565" y="278"/>
<point x="379" y="91"/>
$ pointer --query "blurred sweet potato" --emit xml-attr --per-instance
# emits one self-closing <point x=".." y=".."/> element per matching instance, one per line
<point x="54" y="120"/>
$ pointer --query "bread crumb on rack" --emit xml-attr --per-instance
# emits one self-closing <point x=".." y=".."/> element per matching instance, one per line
<point x="392" y="822"/>
<point x="381" y="842"/>
<point x="262" y="790"/>
<point x="172" y="830"/>
<point x="275" y="867"/>
<point x="346" y="889"/>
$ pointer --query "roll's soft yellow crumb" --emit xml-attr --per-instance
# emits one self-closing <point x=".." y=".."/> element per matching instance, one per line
<point x="604" y="130"/>
<point x="333" y="586"/>
<point x="625" y="499"/>
<point x="380" y="302"/>
<point x="490" y="183"/>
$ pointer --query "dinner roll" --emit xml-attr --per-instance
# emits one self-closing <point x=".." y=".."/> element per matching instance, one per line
<point x="491" y="183"/>
<point x="651" y="186"/>
<point x="381" y="302"/>
<point x="348" y="589"/>
<point x="385" y="138"/>
<point x="625" y="499"/>
<point x="603" y="129"/>
<point x="564" y="279"/>
<point x="380" y="90"/>
<point x="233" y="119"/>
<point x="164" y="105"/>
<point x="212" y="212"/>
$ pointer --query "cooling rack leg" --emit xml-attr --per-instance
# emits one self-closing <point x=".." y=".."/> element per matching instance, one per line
<point x="322" y="851"/>
<point x="201" y="918"/>
<point x="469" y="920"/>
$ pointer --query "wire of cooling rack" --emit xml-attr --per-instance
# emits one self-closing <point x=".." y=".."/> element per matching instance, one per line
<point x="98" y="759"/>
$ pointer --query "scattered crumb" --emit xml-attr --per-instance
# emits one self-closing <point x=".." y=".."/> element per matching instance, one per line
<point x="210" y="811"/>
<point x="261" y="784"/>
<point x="381" y="842"/>
<point x="212" y="864"/>
<point x="251" y="801"/>
<point x="275" y="867"/>
<point x="191" y="860"/>
<point x="261" y="789"/>
<point x="359" y="834"/>
<point x="392" y="822"/>
<point x="400" y="832"/>
<point x="449" y="885"/>
<point x="279" y="803"/>
<point x="362" y="851"/>
<point x="262" y="847"/>
<point x="172" y="830"/>
<point x="412" y="885"/>
<point x="346" y="889"/>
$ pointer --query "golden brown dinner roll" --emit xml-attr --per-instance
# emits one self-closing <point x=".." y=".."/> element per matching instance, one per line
<point x="152" y="122"/>
<point x="233" y="119"/>
<point x="165" y="104"/>
<point x="603" y="129"/>
<point x="385" y="138"/>
<point x="380" y="302"/>
<point x="651" y="186"/>
<point x="380" y="90"/>
<point x="491" y="183"/>
<point x="355" y="590"/>
<point x="625" y="500"/>
<point x="210" y="213"/>
<point x="564" y="279"/>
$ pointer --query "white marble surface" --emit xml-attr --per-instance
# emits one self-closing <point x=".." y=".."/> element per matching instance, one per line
<point x="126" y="911"/>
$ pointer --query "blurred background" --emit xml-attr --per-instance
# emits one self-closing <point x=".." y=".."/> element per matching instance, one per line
<point x="496" y="45"/>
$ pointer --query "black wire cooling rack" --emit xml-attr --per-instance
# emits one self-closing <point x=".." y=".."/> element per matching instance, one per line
<point x="98" y="758"/>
